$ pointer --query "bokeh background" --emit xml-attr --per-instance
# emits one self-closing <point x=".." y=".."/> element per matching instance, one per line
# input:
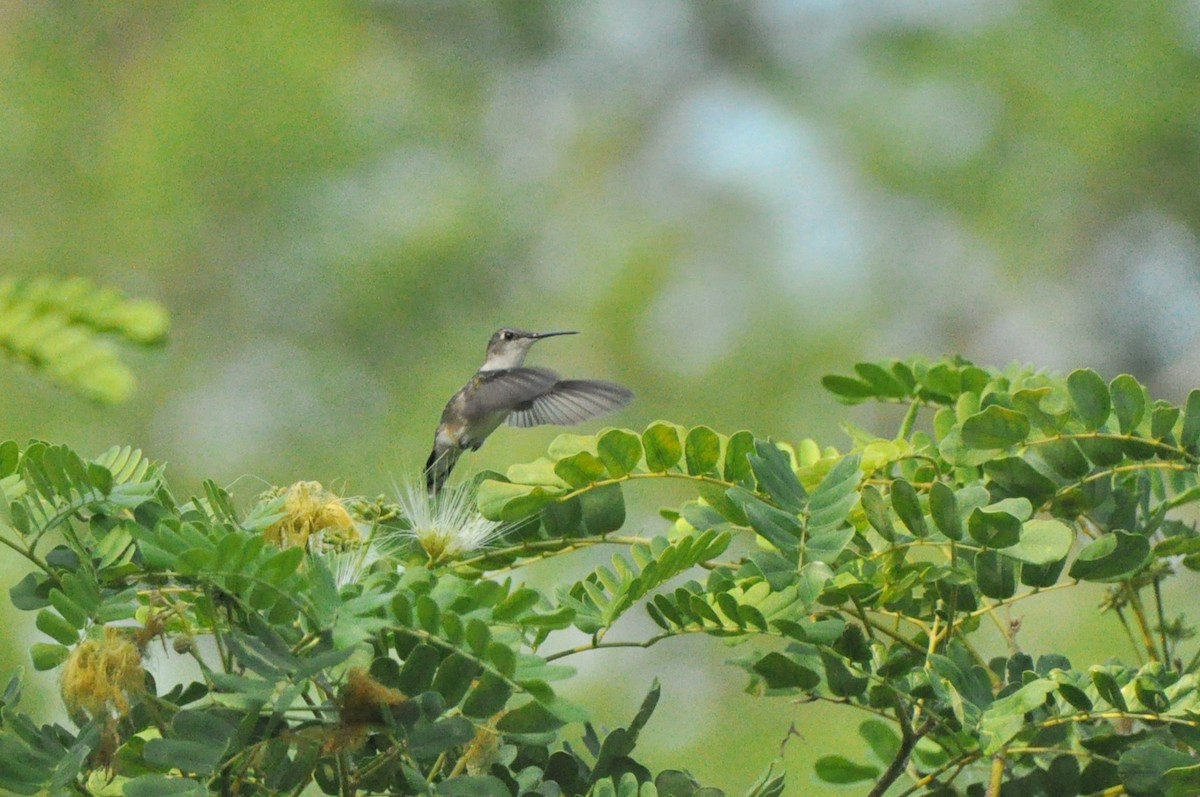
<point x="338" y="202"/>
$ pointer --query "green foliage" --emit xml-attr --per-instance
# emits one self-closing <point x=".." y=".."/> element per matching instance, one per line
<point x="59" y="327"/>
<point x="335" y="651"/>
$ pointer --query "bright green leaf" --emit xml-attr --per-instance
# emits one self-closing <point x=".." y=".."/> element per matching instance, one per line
<point x="995" y="428"/>
<point x="702" y="451"/>
<point x="839" y="769"/>
<point x="661" y="444"/>
<point x="1093" y="404"/>
<point x="1129" y="402"/>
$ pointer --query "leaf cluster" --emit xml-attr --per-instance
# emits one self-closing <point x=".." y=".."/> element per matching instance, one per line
<point x="64" y="329"/>
<point x="354" y="660"/>
<point x="377" y="676"/>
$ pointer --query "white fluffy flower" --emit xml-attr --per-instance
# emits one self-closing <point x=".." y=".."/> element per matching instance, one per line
<point x="446" y="525"/>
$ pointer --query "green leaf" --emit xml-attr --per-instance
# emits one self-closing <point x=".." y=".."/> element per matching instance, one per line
<point x="10" y="454"/>
<point x="702" y="451"/>
<point x="498" y="500"/>
<point x="1005" y="717"/>
<point x="620" y="451"/>
<point x="996" y="574"/>
<point x="1093" y="404"/>
<point x="841" y="680"/>
<point x="777" y="527"/>
<point x="1150" y="694"/>
<point x="1162" y="420"/>
<point x="882" y="738"/>
<point x="780" y="671"/>
<point x="825" y="546"/>
<point x="581" y="469"/>
<point x="875" y="507"/>
<point x="995" y="428"/>
<point x="1019" y="478"/>
<point x="1189" y="438"/>
<point x="737" y="462"/>
<point x="1111" y="557"/>
<point x="487" y="697"/>
<point x="1143" y="768"/>
<point x="185" y="755"/>
<point x="454" y="677"/>
<point x="163" y="786"/>
<point x="1129" y="402"/>
<point x="427" y="741"/>
<point x="473" y="786"/>
<point x="662" y="447"/>
<point x="834" y="497"/>
<point x="1182" y="781"/>
<point x="907" y="505"/>
<point x="1107" y="687"/>
<point x="773" y="469"/>
<point x="532" y="717"/>
<point x="847" y="388"/>
<point x="54" y="626"/>
<point x="943" y="508"/>
<point x="603" y="509"/>
<point x="1042" y="542"/>
<point x="1065" y="457"/>
<point x="839" y="769"/>
<point x="881" y="380"/>
<point x="71" y="611"/>
<point x="993" y="527"/>
<point x="46" y="656"/>
<point x="31" y="592"/>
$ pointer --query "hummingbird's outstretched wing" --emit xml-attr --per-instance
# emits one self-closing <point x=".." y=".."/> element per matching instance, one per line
<point x="501" y="390"/>
<point x="569" y="402"/>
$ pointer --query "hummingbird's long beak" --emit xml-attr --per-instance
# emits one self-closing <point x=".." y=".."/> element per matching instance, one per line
<point x="540" y="335"/>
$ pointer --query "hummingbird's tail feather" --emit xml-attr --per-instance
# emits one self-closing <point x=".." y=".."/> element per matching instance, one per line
<point x="571" y="401"/>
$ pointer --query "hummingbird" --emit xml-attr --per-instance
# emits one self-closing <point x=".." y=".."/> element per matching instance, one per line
<point x="504" y="389"/>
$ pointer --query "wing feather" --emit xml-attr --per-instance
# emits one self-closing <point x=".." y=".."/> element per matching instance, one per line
<point x="569" y="402"/>
<point x="509" y="387"/>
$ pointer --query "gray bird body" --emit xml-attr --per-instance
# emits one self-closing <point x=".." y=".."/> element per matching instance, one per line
<point x="504" y="390"/>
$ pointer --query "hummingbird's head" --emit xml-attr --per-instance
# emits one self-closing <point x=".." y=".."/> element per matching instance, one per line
<point x="508" y="347"/>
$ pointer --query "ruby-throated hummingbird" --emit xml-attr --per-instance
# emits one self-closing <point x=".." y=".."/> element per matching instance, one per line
<point x="502" y="389"/>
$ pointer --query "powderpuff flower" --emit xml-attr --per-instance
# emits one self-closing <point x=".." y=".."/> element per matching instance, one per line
<point x="446" y="525"/>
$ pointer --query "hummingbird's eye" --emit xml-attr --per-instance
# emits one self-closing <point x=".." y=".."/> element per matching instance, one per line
<point x="508" y="335"/>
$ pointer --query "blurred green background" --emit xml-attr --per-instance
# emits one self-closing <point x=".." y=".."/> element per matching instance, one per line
<point x="339" y="201"/>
